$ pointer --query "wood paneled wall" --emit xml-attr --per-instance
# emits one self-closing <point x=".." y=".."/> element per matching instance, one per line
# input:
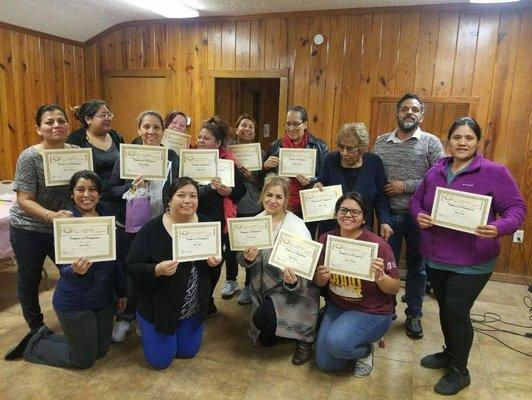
<point x="34" y="69"/>
<point x="435" y="51"/>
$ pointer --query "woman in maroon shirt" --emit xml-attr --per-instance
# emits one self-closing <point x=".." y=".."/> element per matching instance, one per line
<point x="358" y="312"/>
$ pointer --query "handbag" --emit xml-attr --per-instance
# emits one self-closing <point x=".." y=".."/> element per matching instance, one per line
<point x="137" y="212"/>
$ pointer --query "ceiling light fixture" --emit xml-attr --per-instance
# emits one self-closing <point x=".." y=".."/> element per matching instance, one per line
<point x="168" y="9"/>
<point x="493" y="1"/>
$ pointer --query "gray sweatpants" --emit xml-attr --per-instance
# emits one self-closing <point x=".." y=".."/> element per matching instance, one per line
<point x="87" y="337"/>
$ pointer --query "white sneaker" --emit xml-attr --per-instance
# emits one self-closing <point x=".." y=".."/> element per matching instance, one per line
<point x="245" y="296"/>
<point x="229" y="290"/>
<point x="364" y="366"/>
<point x="120" y="331"/>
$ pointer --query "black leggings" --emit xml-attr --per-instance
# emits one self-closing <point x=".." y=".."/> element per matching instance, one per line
<point x="456" y="294"/>
<point x="265" y="320"/>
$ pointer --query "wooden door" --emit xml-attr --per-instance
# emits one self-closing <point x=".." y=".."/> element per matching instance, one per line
<point x="128" y="93"/>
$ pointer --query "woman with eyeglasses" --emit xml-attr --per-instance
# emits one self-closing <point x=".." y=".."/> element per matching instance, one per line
<point x="297" y="136"/>
<point x="96" y="133"/>
<point x="357" y="312"/>
<point x="357" y="170"/>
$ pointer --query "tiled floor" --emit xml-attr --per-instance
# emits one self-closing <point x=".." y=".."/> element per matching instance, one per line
<point x="230" y="367"/>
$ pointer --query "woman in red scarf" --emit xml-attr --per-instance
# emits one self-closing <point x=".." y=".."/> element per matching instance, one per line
<point x="218" y="201"/>
<point x="296" y="136"/>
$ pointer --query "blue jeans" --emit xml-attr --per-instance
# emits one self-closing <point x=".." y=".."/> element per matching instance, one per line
<point x="345" y="336"/>
<point x="160" y="349"/>
<point x="31" y="249"/>
<point x="404" y="227"/>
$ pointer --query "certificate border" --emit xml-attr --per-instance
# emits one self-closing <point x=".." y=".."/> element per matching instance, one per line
<point x="108" y="220"/>
<point x="46" y="163"/>
<point x="231" y="221"/>
<point x="258" y="166"/>
<point x="232" y="182"/>
<point x="176" y="133"/>
<point x="195" y="225"/>
<point x="327" y="261"/>
<point x="155" y="149"/>
<point x="440" y="191"/>
<point x="215" y="153"/>
<point x="293" y="237"/>
<point x="314" y="153"/>
<point x="302" y="194"/>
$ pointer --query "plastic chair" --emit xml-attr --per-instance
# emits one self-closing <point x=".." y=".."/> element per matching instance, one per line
<point x="6" y="186"/>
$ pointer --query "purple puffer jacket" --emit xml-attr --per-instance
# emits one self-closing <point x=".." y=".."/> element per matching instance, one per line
<point x="481" y="177"/>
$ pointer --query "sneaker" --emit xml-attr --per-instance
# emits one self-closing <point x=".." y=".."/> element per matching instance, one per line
<point x="414" y="329"/>
<point x="437" y="360"/>
<point x="452" y="382"/>
<point x="120" y="331"/>
<point x="245" y="296"/>
<point x="213" y="310"/>
<point x="229" y="290"/>
<point x="364" y="366"/>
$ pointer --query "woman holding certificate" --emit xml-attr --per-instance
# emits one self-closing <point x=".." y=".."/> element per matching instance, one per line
<point x="357" y="170"/>
<point x="298" y="137"/>
<point x="358" y="311"/>
<point x="96" y="134"/>
<point x="246" y="150"/>
<point x="217" y="200"/>
<point x="84" y="299"/>
<point x="173" y="296"/>
<point x="31" y="216"/>
<point x="461" y="256"/>
<point x="283" y="304"/>
<point x="150" y="130"/>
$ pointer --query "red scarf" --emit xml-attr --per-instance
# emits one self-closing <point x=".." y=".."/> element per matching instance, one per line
<point x="230" y="208"/>
<point x="295" y="186"/>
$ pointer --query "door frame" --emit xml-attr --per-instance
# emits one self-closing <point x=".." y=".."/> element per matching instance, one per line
<point x="154" y="73"/>
<point x="281" y="74"/>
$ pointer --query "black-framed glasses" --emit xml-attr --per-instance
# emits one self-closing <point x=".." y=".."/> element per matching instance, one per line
<point x="353" y="212"/>
<point x="292" y="125"/>
<point x="349" y="149"/>
<point x="104" y="115"/>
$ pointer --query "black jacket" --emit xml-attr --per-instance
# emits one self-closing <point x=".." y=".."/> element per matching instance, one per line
<point x="313" y="143"/>
<point x="79" y="137"/>
<point x="160" y="299"/>
<point x="116" y="186"/>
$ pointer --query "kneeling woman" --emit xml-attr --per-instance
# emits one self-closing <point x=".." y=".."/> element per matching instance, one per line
<point x="358" y="312"/>
<point x="84" y="297"/>
<point x="173" y="297"/>
<point x="284" y="305"/>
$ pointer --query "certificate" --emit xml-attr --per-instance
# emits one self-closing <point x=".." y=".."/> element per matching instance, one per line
<point x="90" y="237"/>
<point x="250" y="232"/>
<point x="461" y="211"/>
<point x="226" y="172"/>
<point x="60" y="164"/>
<point x="175" y="140"/>
<point x="199" y="164"/>
<point x="249" y="155"/>
<point x="350" y="257"/>
<point x="294" y="162"/>
<point x="150" y="162"/>
<point x="318" y="205"/>
<point x="196" y="241"/>
<point x="291" y="250"/>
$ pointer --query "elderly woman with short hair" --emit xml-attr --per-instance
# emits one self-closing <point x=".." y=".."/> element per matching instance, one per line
<point x="357" y="170"/>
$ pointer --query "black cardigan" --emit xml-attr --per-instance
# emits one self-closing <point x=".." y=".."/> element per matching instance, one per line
<point x="160" y="299"/>
<point x="79" y="137"/>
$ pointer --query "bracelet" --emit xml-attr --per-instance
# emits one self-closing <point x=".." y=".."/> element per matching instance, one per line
<point x="46" y="216"/>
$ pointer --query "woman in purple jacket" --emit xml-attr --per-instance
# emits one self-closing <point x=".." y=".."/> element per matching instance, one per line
<point x="460" y="264"/>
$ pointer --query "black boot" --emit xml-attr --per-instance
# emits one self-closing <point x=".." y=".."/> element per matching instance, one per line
<point x="452" y="382"/>
<point x="437" y="360"/>
<point x="302" y="353"/>
<point x="18" y="350"/>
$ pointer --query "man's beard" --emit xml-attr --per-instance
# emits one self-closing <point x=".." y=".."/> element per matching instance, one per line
<point x="407" y="126"/>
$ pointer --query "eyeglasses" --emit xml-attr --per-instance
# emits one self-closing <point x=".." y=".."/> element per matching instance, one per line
<point x="104" y="115"/>
<point x="349" y="149"/>
<point x="292" y="125"/>
<point x="353" y="212"/>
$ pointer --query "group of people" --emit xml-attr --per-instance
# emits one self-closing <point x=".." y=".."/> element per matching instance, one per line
<point x="395" y="184"/>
